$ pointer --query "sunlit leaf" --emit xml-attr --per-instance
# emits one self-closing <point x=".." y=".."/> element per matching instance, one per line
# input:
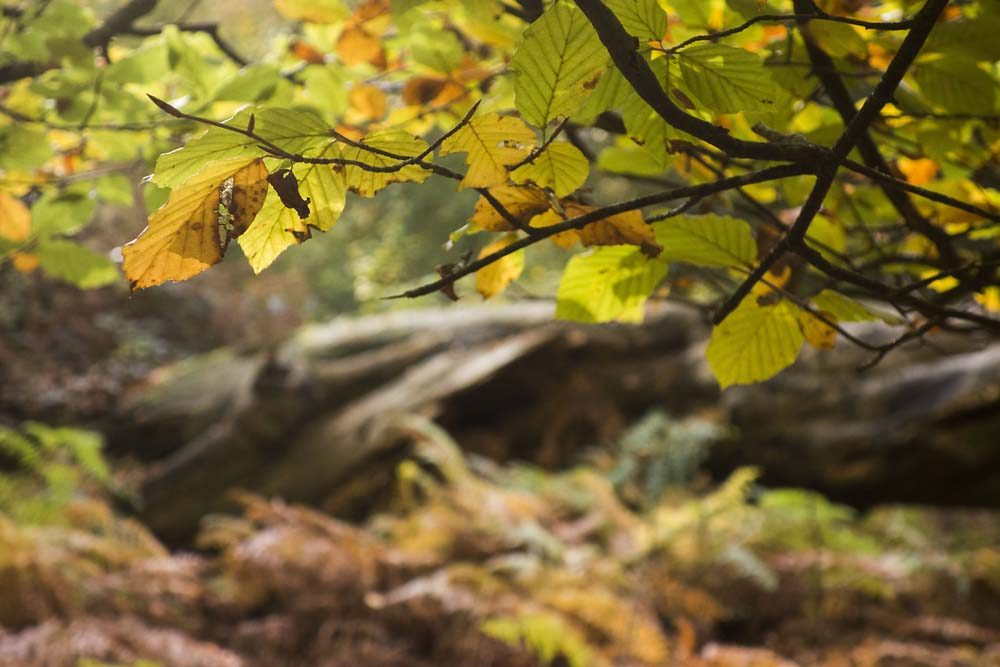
<point x="606" y="284"/>
<point x="727" y="79"/>
<point x="190" y="232"/>
<point x="754" y="343"/>
<point x="492" y="143"/>
<point x="396" y="142"/>
<point x="522" y="202"/>
<point x="818" y="333"/>
<point x="561" y="167"/>
<point x="276" y="227"/>
<point x="707" y="240"/>
<point x="291" y="130"/>
<point x="556" y="65"/>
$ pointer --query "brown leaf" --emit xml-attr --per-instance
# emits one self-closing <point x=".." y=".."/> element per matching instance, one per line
<point x="287" y="186"/>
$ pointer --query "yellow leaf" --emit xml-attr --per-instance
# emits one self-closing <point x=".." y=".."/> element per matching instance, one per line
<point x="754" y="343"/>
<point x="564" y="240"/>
<point x="494" y="278"/>
<point x="920" y="171"/>
<point x="367" y="101"/>
<point x="561" y="167"/>
<point x="367" y="183"/>
<point x="191" y="231"/>
<point x="818" y="333"/>
<point x="493" y="143"/>
<point x="989" y="299"/>
<point x="15" y="219"/>
<point x="314" y="11"/>
<point x="773" y="280"/>
<point x="522" y="202"/>
<point x="627" y="228"/>
<point x="276" y="227"/>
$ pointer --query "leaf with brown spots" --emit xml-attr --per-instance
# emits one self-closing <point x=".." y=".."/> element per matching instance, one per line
<point x="191" y="231"/>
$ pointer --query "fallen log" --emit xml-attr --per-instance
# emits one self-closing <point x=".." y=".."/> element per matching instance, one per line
<point x="312" y="420"/>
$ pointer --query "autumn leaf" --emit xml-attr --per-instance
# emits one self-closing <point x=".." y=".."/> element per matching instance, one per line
<point x="492" y="143"/>
<point x="191" y="231"/>
<point x="494" y="278"/>
<point x="15" y="219"/>
<point x="397" y="142"/>
<point x="522" y="202"/>
<point x="818" y="333"/>
<point x="278" y="227"/>
<point x="920" y="171"/>
<point x="368" y="102"/>
<point x="356" y="46"/>
<point x="623" y="228"/>
<point x="564" y="240"/>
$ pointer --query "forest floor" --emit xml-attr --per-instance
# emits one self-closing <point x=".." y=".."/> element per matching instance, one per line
<point x="470" y="563"/>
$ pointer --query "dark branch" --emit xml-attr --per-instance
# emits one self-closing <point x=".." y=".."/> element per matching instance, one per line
<point x="923" y="23"/>
<point x="826" y="71"/>
<point x="119" y="22"/>
<point x="579" y="222"/>
<point x="624" y="50"/>
<point x="779" y="18"/>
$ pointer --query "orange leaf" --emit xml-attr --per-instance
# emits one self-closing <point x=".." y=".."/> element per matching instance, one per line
<point x="627" y="228"/>
<point x="920" y="171"/>
<point x="192" y="230"/>
<point x="356" y="45"/>
<point x="24" y="262"/>
<point x="368" y="101"/>
<point x="15" y="219"/>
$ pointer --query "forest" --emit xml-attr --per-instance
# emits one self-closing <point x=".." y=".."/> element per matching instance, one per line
<point x="513" y="333"/>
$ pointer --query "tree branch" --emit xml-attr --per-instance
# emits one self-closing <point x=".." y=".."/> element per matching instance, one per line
<point x="843" y="103"/>
<point x="690" y="191"/>
<point x="923" y="23"/>
<point x="778" y="18"/>
<point x="624" y="52"/>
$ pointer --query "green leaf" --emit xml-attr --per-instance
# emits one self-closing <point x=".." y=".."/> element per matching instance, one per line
<point x="63" y="213"/>
<point x="556" y="65"/>
<point x="707" y="240"/>
<point x="694" y="13"/>
<point x="23" y="147"/>
<point x="956" y="84"/>
<point x="293" y="131"/>
<point x="727" y="79"/>
<point x="608" y="283"/>
<point x="546" y="635"/>
<point x="277" y="228"/>
<point x="974" y="38"/>
<point x="75" y="264"/>
<point x="561" y="167"/>
<point x="644" y="19"/>
<point x="611" y="92"/>
<point x="435" y="49"/>
<point x="846" y="309"/>
<point x="754" y="343"/>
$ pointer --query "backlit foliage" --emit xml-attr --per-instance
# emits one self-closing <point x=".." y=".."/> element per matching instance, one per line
<point x="733" y="112"/>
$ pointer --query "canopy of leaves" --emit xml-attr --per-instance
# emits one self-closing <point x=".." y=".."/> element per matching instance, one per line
<point x="848" y="148"/>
